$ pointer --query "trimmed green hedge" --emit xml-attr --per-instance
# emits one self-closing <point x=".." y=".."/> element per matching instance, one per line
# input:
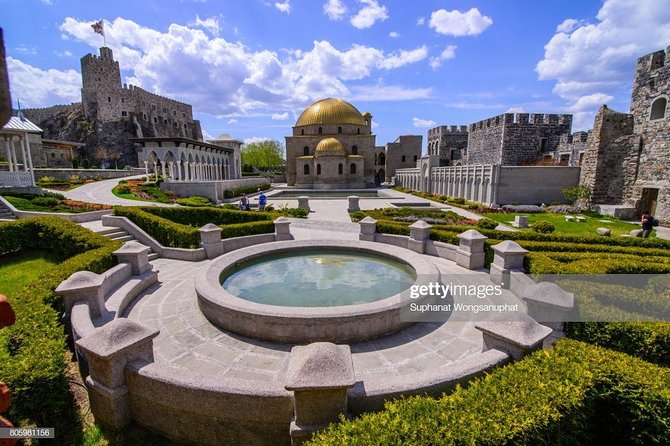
<point x="572" y="394"/>
<point x="178" y="227"/>
<point x="232" y="193"/>
<point x="33" y="351"/>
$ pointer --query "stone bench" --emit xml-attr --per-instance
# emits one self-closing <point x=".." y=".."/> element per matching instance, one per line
<point x="569" y="218"/>
<point x="580" y="219"/>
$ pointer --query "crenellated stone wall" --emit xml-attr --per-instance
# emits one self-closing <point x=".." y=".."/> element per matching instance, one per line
<point x="450" y="143"/>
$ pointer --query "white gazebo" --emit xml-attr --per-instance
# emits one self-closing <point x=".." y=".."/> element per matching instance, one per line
<point x="15" y="137"/>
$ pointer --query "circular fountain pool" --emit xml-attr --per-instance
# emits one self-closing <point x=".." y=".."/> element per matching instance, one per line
<point x="327" y="278"/>
<point x="312" y="290"/>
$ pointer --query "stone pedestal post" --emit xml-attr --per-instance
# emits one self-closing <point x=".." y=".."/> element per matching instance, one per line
<point x="419" y="233"/>
<point x="508" y="257"/>
<point x="108" y="351"/>
<point x="353" y="203"/>
<point x="470" y="253"/>
<point x="517" y="338"/>
<point x="548" y="304"/>
<point x="319" y="375"/>
<point x="83" y="286"/>
<point x="368" y="229"/>
<point x="136" y="254"/>
<point x="520" y="221"/>
<point x="210" y="239"/>
<point x="303" y="202"/>
<point x="282" y="229"/>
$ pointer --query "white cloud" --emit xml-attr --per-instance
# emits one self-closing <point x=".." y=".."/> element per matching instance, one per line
<point x="254" y="139"/>
<point x="41" y="88"/>
<point x="448" y="53"/>
<point x="65" y="53"/>
<point x="423" y="123"/>
<point x="23" y="49"/>
<point x="388" y="93"/>
<point x="394" y="34"/>
<point x="231" y="121"/>
<point x="569" y="25"/>
<point x="280" y="116"/>
<point x="334" y="9"/>
<point x="230" y="79"/>
<point x="457" y="23"/>
<point x="592" y="63"/>
<point x="211" y="24"/>
<point x="368" y="15"/>
<point x="515" y="110"/>
<point x="403" y="57"/>
<point x="421" y="21"/>
<point x="284" y="7"/>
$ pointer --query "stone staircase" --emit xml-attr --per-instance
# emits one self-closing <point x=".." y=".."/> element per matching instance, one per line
<point x="115" y="233"/>
<point x="6" y="214"/>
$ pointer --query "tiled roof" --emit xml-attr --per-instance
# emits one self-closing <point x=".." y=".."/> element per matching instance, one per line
<point x="22" y="125"/>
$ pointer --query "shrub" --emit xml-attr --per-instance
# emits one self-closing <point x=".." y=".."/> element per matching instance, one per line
<point x="457" y="200"/>
<point x="487" y="223"/>
<point x="194" y="201"/>
<point x="561" y="396"/>
<point x="573" y="194"/>
<point x="75" y="164"/>
<point x="232" y="193"/>
<point x="32" y="352"/>
<point x="357" y="216"/>
<point x="268" y="208"/>
<point x="543" y="227"/>
<point x="86" y="163"/>
<point x="45" y="201"/>
<point x="123" y="189"/>
<point x="294" y="212"/>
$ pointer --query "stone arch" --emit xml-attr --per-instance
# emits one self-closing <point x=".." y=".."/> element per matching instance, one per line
<point x="305" y="151"/>
<point x="658" y="108"/>
<point x="381" y="159"/>
<point x="305" y="169"/>
<point x="318" y="169"/>
<point x="380" y="177"/>
<point x="340" y="169"/>
<point x="354" y="150"/>
<point x="352" y="168"/>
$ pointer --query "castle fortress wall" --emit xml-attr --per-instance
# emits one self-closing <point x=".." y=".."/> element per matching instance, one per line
<point x="38" y="115"/>
<point x="443" y="139"/>
<point x="105" y="98"/>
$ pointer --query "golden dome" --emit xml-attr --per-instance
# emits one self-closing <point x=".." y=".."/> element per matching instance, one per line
<point x="330" y="111"/>
<point x="329" y="145"/>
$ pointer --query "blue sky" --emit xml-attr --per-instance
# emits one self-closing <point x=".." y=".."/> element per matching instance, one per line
<point x="249" y="67"/>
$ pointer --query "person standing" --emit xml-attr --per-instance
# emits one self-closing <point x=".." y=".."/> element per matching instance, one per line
<point x="262" y="200"/>
<point x="244" y="203"/>
<point x="647" y="224"/>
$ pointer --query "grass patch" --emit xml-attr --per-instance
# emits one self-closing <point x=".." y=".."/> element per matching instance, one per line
<point x="20" y="268"/>
<point x="588" y="227"/>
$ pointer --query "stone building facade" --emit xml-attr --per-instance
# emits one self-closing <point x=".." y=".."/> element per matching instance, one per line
<point x="627" y="157"/>
<point x="450" y="142"/>
<point x="332" y="147"/>
<point x="402" y="153"/>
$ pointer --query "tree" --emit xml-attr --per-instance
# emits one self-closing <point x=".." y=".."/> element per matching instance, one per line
<point x="263" y="155"/>
<point x="576" y="193"/>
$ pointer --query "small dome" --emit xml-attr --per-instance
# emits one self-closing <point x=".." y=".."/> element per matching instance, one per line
<point x="330" y="111"/>
<point x="329" y="145"/>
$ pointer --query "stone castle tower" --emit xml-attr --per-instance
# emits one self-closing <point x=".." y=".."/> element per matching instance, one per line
<point x="627" y="158"/>
<point x="104" y="98"/>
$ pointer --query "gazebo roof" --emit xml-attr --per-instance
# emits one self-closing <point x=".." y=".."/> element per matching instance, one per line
<point x="21" y="125"/>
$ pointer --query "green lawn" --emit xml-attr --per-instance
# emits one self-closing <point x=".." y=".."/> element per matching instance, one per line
<point x="18" y="269"/>
<point x="588" y="227"/>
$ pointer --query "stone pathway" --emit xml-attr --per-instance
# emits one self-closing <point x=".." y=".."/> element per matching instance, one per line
<point x="101" y="192"/>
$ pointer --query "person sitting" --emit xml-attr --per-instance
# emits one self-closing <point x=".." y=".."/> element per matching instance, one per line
<point x="262" y="201"/>
<point x="244" y="203"/>
<point x="647" y="224"/>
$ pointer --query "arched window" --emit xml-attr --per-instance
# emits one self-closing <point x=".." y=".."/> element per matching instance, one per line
<point x="382" y="159"/>
<point x="302" y="131"/>
<point x="354" y="150"/>
<point x="305" y="169"/>
<point x="352" y="168"/>
<point x="339" y="130"/>
<point x="658" y="109"/>
<point x="320" y="130"/>
<point x="305" y="151"/>
<point x="359" y="131"/>
<point x="318" y="169"/>
<point x="340" y="170"/>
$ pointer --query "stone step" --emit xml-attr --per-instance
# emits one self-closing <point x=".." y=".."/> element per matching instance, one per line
<point x="119" y="299"/>
<point x="123" y="238"/>
<point x="109" y="230"/>
<point x="153" y="255"/>
<point x="114" y="235"/>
